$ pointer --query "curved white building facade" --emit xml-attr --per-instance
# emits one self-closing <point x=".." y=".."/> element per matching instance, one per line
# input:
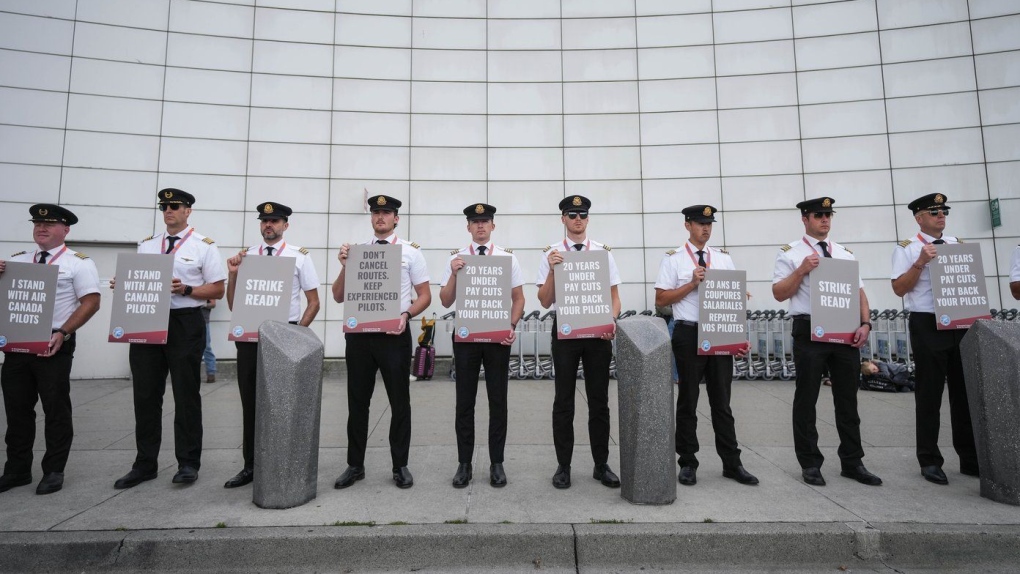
<point x="644" y="106"/>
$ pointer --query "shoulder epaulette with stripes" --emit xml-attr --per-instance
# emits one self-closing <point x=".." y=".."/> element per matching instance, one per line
<point x="958" y="240"/>
<point x="671" y="252"/>
<point x="455" y="251"/>
<point x="416" y="246"/>
<point x="848" y="251"/>
<point x="904" y="243"/>
<point x="303" y="251"/>
<point x="786" y="248"/>
<point x="18" y="253"/>
<point x="80" y="255"/>
<point x="607" y="248"/>
<point x="208" y="240"/>
<point x="147" y="238"/>
<point x="547" y="248"/>
<point x="724" y="251"/>
<point x="507" y="250"/>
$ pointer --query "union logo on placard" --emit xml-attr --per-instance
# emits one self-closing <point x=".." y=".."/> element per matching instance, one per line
<point x="705" y="345"/>
<point x="566" y="328"/>
<point x="118" y="332"/>
<point x="238" y="331"/>
<point x="819" y="331"/>
<point x="352" y="323"/>
<point x="3" y="341"/>
<point x="944" y="320"/>
<point x="463" y="332"/>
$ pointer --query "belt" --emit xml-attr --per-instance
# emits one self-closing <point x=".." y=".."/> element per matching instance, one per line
<point x="801" y="317"/>
<point x="688" y="323"/>
<point x="185" y="310"/>
<point x="922" y="314"/>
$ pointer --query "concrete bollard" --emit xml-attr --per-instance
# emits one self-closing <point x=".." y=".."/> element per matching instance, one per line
<point x="991" y="369"/>
<point x="644" y="367"/>
<point x="287" y="412"/>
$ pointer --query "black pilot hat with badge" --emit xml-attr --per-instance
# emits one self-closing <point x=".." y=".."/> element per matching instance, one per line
<point x="932" y="201"/>
<point x="384" y="203"/>
<point x="699" y="213"/>
<point x="816" y="205"/>
<point x="479" y="212"/>
<point x="575" y="203"/>
<point x="51" y="213"/>
<point x="174" y="196"/>
<point x="273" y="210"/>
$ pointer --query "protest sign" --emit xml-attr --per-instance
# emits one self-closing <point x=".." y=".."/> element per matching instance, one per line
<point x="141" y="299"/>
<point x="958" y="286"/>
<point x="28" y="291"/>
<point x="483" y="299"/>
<point x="372" y="288"/>
<point x="262" y="293"/>
<point x="584" y="302"/>
<point x="722" y="312"/>
<point x="835" y="301"/>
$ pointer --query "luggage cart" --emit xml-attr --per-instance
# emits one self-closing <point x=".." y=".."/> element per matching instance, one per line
<point x="742" y="365"/>
<point x="782" y="347"/>
<point x="447" y="320"/>
<point x="543" y="347"/>
<point x="525" y="366"/>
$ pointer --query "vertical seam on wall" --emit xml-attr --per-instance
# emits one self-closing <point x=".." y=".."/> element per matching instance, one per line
<point x="247" y="148"/>
<point x="487" y="175"/>
<point x="410" y="114"/>
<point x="888" y="135"/>
<point x="641" y="171"/>
<point x="796" y="87"/>
<point x="718" y="126"/>
<point x="563" y="118"/>
<point x="984" y="157"/>
<point x="67" y="103"/>
<point x="333" y="113"/>
<point x="162" y="104"/>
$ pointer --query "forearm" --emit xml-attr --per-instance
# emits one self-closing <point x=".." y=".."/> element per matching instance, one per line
<point x="615" y="293"/>
<point x="208" y="291"/>
<point x="547" y="291"/>
<point x="231" y="285"/>
<point x="904" y="283"/>
<point x="448" y="293"/>
<point x="516" y="304"/>
<point x="787" y="287"/>
<point x="312" y="308"/>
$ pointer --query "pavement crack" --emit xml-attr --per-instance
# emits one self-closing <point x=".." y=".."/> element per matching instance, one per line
<point x="120" y="547"/>
<point x="577" y="563"/>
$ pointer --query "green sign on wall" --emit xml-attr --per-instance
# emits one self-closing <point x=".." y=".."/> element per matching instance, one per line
<point x="993" y="207"/>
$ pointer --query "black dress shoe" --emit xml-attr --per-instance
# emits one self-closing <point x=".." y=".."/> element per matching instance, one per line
<point x="50" y="483"/>
<point x="813" y="476"/>
<point x="134" y="478"/>
<point x="497" y="477"/>
<point x="403" y="477"/>
<point x="240" y="479"/>
<point x="606" y="476"/>
<point x="9" y="481"/>
<point x="861" y="475"/>
<point x="561" y="479"/>
<point x="688" y="475"/>
<point x="934" y="474"/>
<point x="185" y="475"/>
<point x="463" y="476"/>
<point x="349" y="477"/>
<point x="740" y="475"/>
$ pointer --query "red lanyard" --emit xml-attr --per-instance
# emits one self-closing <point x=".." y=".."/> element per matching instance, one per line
<point x="570" y="247"/>
<point x="179" y="243"/>
<point x="52" y="259"/>
<point x="278" y="251"/>
<point x="708" y="262"/>
<point x="808" y="243"/>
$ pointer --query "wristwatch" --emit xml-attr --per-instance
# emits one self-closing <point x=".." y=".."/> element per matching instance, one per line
<point x="187" y="290"/>
<point x="64" y="333"/>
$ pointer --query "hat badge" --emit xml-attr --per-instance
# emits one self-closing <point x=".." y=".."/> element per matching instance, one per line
<point x="268" y="208"/>
<point x="576" y="201"/>
<point x="479" y="209"/>
<point x="168" y="194"/>
<point x="826" y="202"/>
<point x="939" y="198"/>
<point x="44" y="212"/>
<point x="707" y="212"/>
<point x="380" y="201"/>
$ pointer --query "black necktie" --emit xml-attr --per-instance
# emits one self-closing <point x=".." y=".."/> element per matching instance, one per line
<point x="825" y="249"/>
<point x="43" y="256"/>
<point x="382" y="241"/>
<point x="481" y="250"/>
<point x="270" y="250"/>
<point x="579" y="246"/>
<point x="170" y="241"/>
<point x="938" y="242"/>
<point x="701" y="259"/>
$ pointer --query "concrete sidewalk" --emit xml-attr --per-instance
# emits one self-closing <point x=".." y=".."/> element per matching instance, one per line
<point x="782" y="524"/>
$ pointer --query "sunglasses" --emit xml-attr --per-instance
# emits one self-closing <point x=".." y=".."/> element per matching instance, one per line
<point x="936" y="211"/>
<point x="822" y="215"/>
<point x="170" y="206"/>
<point x="576" y="214"/>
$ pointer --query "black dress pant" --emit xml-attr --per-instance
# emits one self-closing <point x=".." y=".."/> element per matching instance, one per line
<point x="567" y="354"/>
<point x="181" y="358"/>
<point x="26" y="379"/>
<point x="247" y="362"/>
<point x="390" y="356"/>
<point x="844" y="363"/>
<point x="468" y="357"/>
<point x="937" y="365"/>
<point x="718" y="374"/>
